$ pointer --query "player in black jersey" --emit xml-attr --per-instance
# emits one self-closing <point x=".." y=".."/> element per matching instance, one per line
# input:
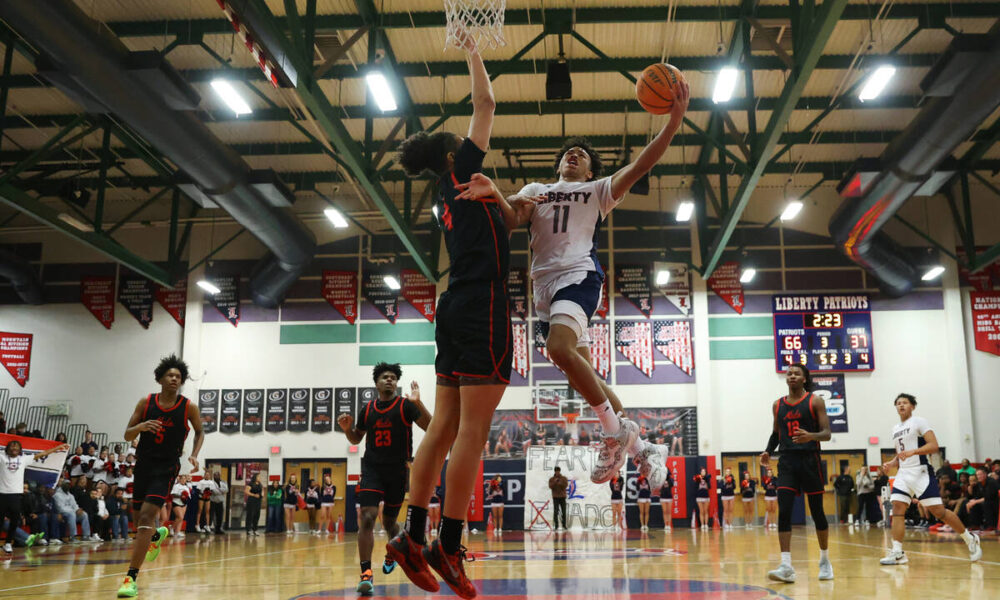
<point x="800" y="424"/>
<point x="386" y="425"/>
<point x="161" y="422"/>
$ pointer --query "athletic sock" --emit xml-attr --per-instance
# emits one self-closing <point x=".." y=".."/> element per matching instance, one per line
<point x="451" y="534"/>
<point x="366" y="565"/>
<point x="416" y="523"/>
<point x="606" y="414"/>
<point x="786" y="558"/>
<point x="823" y="555"/>
<point x="637" y="447"/>
<point x="133" y="573"/>
<point x="897" y="546"/>
<point x="967" y="536"/>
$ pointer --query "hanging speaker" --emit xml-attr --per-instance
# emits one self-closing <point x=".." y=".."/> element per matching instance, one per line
<point x="558" y="85"/>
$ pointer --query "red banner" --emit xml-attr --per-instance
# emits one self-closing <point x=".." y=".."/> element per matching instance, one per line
<point x="725" y="282"/>
<point x="986" y="321"/>
<point x="600" y="348"/>
<point x="605" y="306"/>
<point x="476" y="500"/>
<point x="634" y="339"/>
<point x="678" y="472"/>
<point x="340" y="288"/>
<point x="713" y="487"/>
<point x="15" y="354"/>
<point x="419" y="292"/>
<point x="979" y="281"/>
<point x="98" y="295"/>
<point x="174" y="301"/>
<point x="521" y="364"/>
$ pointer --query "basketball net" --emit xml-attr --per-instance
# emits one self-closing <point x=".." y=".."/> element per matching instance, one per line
<point x="480" y="19"/>
<point x="571" y="425"/>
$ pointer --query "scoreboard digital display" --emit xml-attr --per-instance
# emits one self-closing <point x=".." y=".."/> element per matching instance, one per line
<point x="825" y="332"/>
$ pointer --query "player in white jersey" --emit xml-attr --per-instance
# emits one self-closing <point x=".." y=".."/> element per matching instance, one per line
<point x="915" y="441"/>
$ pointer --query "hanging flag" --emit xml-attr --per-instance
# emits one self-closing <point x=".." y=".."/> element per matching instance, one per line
<point x="174" y="301"/>
<point x="253" y="411"/>
<point x="981" y="280"/>
<point x="539" y="338"/>
<point x="15" y="354"/>
<point x="98" y="295"/>
<point x="277" y="410"/>
<point x="208" y="406"/>
<point x="419" y="292"/>
<point x="678" y="287"/>
<point x="520" y="350"/>
<point x="227" y="301"/>
<point x="600" y="348"/>
<point x="232" y="403"/>
<point x="517" y="291"/>
<point x="634" y="339"/>
<point x="605" y="305"/>
<point x="345" y="403"/>
<point x="382" y="297"/>
<point x="136" y="295"/>
<point x="340" y="288"/>
<point x="322" y="410"/>
<point x="986" y="321"/>
<point x="673" y="340"/>
<point x="298" y="409"/>
<point x="725" y="282"/>
<point x="632" y="282"/>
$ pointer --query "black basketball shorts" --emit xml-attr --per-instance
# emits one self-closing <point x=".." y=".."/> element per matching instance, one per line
<point x="154" y="479"/>
<point x="800" y="472"/>
<point x="382" y="483"/>
<point x="473" y="335"/>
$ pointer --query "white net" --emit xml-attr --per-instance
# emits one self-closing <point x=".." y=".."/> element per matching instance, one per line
<point x="480" y="20"/>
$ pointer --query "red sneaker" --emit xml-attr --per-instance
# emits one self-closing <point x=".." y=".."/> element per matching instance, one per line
<point x="451" y="568"/>
<point x="409" y="556"/>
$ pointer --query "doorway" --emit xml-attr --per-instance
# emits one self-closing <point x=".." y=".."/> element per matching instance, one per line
<point x="306" y="469"/>
<point x="237" y="474"/>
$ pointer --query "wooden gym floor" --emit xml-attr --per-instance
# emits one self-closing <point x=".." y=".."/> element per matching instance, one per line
<point x="540" y="565"/>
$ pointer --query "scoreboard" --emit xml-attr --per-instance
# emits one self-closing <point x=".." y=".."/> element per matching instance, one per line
<point x="825" y="332"/>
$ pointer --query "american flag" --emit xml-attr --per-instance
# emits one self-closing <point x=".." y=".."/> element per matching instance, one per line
<point x="634" y="339"/>
<point x="521" y="349"/>
<point x="600" y="348"/>
<point x="539" y="338"/>
<point x="673" y="340"/>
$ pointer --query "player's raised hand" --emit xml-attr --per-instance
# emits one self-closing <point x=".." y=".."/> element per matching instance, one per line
<point x="682" y="97"/>
<point x="765" y="459"/>
<point x="479" y="186"/>
<point x="414" y="392"/>
<point x="345" y="421"/>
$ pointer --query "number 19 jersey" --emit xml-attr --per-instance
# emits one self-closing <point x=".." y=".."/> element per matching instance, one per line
<point x="565" y="225"/>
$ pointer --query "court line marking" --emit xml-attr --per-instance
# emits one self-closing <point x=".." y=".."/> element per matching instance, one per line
<point x="880" y="549"/>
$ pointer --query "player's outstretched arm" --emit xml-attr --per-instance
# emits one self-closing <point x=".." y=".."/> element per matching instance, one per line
<point x="483" y="102"/>
<point x="772" y="442"/>
<point x="194" y="417"/>
<point x="516" y="210"/>
<point x="626" y="177"/>
<point x="424" y="419"/>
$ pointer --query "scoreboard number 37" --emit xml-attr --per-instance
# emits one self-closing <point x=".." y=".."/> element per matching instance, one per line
<point x="824" y="332"/>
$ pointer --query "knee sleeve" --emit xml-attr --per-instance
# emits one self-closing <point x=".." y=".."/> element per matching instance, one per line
<point x="816" y="510"/>
<point x="786" y="499"/>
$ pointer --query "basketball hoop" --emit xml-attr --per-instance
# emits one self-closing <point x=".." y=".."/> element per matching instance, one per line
<point x="481" y="19"/>
<point x="571" y="424"/>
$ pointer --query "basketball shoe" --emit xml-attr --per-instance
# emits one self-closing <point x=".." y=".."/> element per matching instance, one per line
<point x="154" y="546"/>
<point x="614" y="451"/>
<point x="975" y="550"/>
<point x="894" y="557"/>
<point x="783" y="573"/>
<point x="388" y="565"/>
<point x="825" y="569"/>
<point x="451" y="568"/>
<point x="652" y="463"/>
<point x="409" y="556"/>
<point x="128" y="588"/>
<point x="365" y="586"/>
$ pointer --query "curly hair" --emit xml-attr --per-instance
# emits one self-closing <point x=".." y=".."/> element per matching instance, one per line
<point x="171" y="362"/>
<point x="382" y="367"/>
<point x="581" y="142"/>
<point x="423" y="153"/>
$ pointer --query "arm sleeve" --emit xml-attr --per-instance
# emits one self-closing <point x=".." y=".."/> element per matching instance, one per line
<point x="772" y="443"/>
<point x="602" y="188"/>
<point x="468" y="160"/>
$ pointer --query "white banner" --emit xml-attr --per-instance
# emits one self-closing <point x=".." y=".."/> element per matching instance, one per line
<point x="588" y="505"/>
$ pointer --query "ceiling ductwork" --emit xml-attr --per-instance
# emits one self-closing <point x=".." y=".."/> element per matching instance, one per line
<point x="91" y="65"/>
<point x="22" y="276"/>
<point x="960" y="91"/>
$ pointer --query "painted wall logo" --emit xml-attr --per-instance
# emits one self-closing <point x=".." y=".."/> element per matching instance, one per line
<point x="571" y="492"/>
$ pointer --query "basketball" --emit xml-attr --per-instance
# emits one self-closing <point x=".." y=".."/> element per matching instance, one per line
<point x="656" y="86"/>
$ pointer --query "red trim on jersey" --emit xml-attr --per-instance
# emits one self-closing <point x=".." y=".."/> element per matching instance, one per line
<point x="808" y="395"/>
<point x="447" y="376"/>
<point x="187" y="423"/>
<point x="145" y="411"/>
<point x="390" y="407"/>
<point x="812" y="410"/>
<point x="789" y="489"/>
<point x="393" y="505"/>
<point x="157" y="400"/>
<point x="154" y="496"/>
<point x="814" y="493"/>
<point x="454" y="179"/>
<point x="368" y="490"/>
<point x="402" y="415"/>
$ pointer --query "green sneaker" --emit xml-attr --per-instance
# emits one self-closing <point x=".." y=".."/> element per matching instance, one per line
<point x="128" y="588"/>
<point x="154" y="547"/>
<point x="28" y="543"/>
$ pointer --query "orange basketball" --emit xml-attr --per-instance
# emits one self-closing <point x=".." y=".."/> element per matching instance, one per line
<point x="656" y="86"/>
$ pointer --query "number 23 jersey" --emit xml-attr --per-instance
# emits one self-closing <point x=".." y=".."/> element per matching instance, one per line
<point x="389" y="430"/>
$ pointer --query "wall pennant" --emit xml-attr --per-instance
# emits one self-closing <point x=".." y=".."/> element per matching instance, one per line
<point x="174" y="301"/>
<point x="227" y="301"/>
<point x="517" y="291"/>
<point x="419" y="292"/>
<point x="634" y="339"/>
<point x="673" y="340"/>
<point x="725" y="282"/>
<point x="381" y="296"/>
<point x="980" y="281"/>
<point x="15" y="354"/>
<point x="600" y="348"/>
<point x="98" y="295"/>
<point x="136" y="295"/>
<point x="539" y="341"/>
<point x="340" y="288"/>
<point x="678" y="287"/>
<point x="986" y="321"/>
<point x="521" y="363"/>
<point x="632" y="282"/>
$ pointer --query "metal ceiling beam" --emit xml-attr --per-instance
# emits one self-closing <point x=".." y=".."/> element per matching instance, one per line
<point x="818" y="33"/>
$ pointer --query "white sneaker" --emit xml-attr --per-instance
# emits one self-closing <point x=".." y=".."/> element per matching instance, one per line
<point x="96" y="538"/>
<point x="652" y="463"/>
<point x="8" y="548"/>
<point x="44" y="542"/>
<point x="57" y="542"/>
<point x="614" y="451"/>
<point x="894" y="558"/>
<point x="783" y="573"/>
<point x="644" y="528"/>
<point x="975" y="549"/>
<point x="825" y="570"/>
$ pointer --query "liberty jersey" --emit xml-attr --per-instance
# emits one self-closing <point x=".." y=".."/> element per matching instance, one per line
<point x="565" y="225"/>
<point x="389" y="427"/>
<point x="792" y="416"/>
<point x="909" y="435"/>
<point x="168" y="443"/>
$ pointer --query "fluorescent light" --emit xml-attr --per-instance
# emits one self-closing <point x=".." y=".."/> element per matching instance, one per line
<point x="336" y="218"/>
<point x="74" y="222"/>
<point x="391" y="282"/>
<point x="791" y="210"/>
<point x="684" y="212"/>
<point x="434" y="209"/>
<point x="747" y="275"/>
<point x="231" y="97"/>
<point x="725" y="83"/>
<point x="381" y="91"/>
<point x="662" y="277"/>
<point x="208" y="286"/>
<point x="876" y="82"/>
<point x="933" y="273"/>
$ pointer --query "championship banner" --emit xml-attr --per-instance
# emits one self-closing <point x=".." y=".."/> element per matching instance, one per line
<point x="208" y="406"/>
<point x="232" y="401"/>
<point x="340" y="288"/>
<point x="227" y="301"/>
<point x="520" y="361"/>
<point x="634" y="339"/>
<point x="986" y="320"/>
<point x="678" y="472"/>
<point x="253" y="411"/>
<point x="345" y="402"/>
<point x="832" y="390"/>
<point x="632" y="282"/>
<point x="136" y="295"/>
<point x="517" y="291"/>
<point x="43" y="472"/>
<point x="673" y="340"/>
<point x="98" y="295"/>
<point x="384" y="299"/>
<point x="15" y="354"/>
<point x="174" y="301"/>
<point x="588" y="504"/>
<point x="322" y="410"/>
<point x="419" y="292"/>
<point x="298" y="409"/>
<point x="604" y="307"/>
<point x="980" y="281"/>
<point x="600" y="348"/>
<point x="277" y="410"/>
<point x="678" y="287"/>
<point x="539" y="340"/>
<point x="725" y="282"/>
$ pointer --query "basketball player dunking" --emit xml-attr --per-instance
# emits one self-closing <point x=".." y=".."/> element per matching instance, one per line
<point x="161" y="422"/>
<point x="800" y="424"/>
<point x="386" y="424"/>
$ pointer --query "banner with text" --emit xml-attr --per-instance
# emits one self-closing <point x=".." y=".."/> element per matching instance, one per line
<point x="678" y="472"/>
<point x="227" y="301"/>
<point x="520" y="362"/>
<point x="673" y="340"/>
<point x="15" y="354"/>
<point x="379" y="294"/>
<point x="136" y="295"/>
<point x="298" y="409"/>
<point x="981" y="281"/>
<point x="600" y="348"/>
<point x="98" y="295"/>
<point x="232" y="404"/>
<point x="517" y="291"/>
<point x="174" y="301"/>
<point x="277" y="410"/>
<point x="208" y="406"/>
<point x="322" y="410"/>
<point x="986" y="321"/>
<point x="345" y="402"/>
<point x="678" y="286"/>
<point x="588" y="504"/>
<point x="45" y="471"/>
<point x="634" y="339"/>
<point x="832" y="390"/>
<point x="632" y="282"/>
<point x="253" y="411"/>
<point x="725" y="282"/>
<point x="419" y="292"/>
<point x="340" y="288"/>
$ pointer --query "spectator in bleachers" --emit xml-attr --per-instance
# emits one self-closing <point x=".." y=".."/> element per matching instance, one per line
<point x="21" y="429"/>
<point x="130" y="451"/>
<point x="61" y="437"/>
<point x="86" y="501"/>
<point x="89" y="457"/>
<point x="100" y="517"/>
<point x="946" y="469"/>
<point x="37" y="433"/>
<point x="967" y="468"/>
<point x="274" y="498"/>
<point x="220" y="492"/>
<point x="75" y="463"/>
<point x="12" y="466"/>
<point x="70" y="513"/>
<point x="99" y="468"/>
<point x="3" y="422"/>
<point x="117" y="515"/>
<point x="88" y="442"/>
<point x="53" y="533"/>
<point x="35" y="515"/>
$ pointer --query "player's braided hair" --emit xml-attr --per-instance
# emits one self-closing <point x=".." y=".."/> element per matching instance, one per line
<point x="171" y="362"/>
<point x="427" y="153"/>
<point x="382" y="367"/>
<point x="581" y="142"/>
<point x="912" y="399"/>
<point x="805" y="373"/>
